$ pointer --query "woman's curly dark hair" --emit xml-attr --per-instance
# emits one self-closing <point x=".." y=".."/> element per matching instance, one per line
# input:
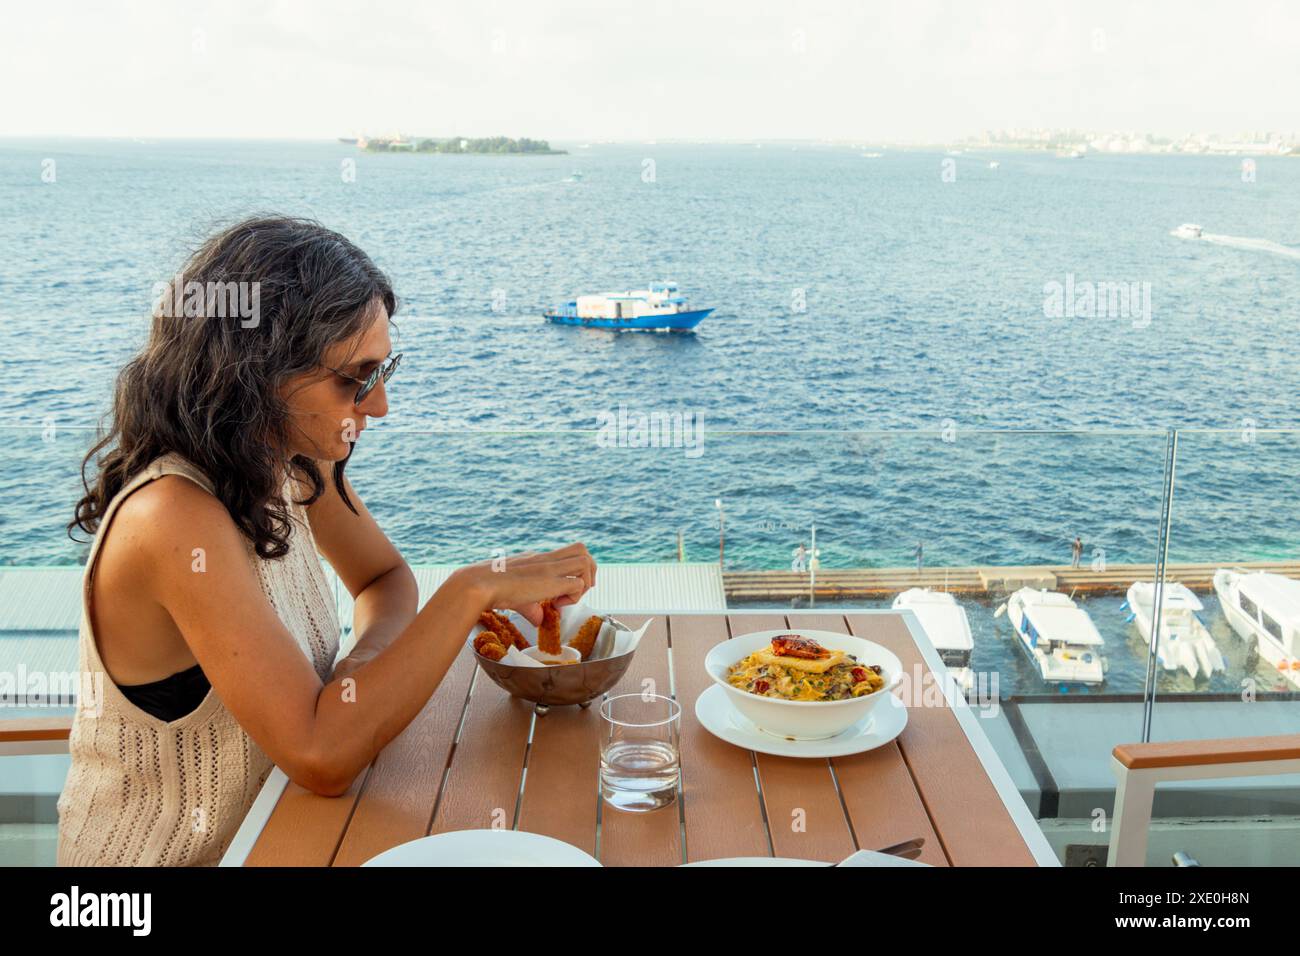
<point x="207" y="386"/>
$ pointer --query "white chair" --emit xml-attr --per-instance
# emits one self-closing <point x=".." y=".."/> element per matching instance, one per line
<point x="1139" y="767"/>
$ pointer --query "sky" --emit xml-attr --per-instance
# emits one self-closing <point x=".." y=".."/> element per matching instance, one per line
<point x="869" y="70"/>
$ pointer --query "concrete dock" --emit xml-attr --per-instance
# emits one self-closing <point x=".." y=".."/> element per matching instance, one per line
<point x="990" y="581"/>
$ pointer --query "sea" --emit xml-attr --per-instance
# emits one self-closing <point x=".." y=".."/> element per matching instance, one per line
<point x="903" y="350"/>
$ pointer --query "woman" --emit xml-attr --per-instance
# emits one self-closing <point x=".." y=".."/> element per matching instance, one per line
<point x="206" y="609"/>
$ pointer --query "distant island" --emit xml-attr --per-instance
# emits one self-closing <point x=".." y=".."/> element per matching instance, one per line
<point x="494" y="145"/>
<point x="1076" y="143"/>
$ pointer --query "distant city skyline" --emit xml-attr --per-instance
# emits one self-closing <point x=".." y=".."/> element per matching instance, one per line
<point x="914" y="71"/>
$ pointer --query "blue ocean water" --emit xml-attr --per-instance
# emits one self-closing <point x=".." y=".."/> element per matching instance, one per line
<point x="853" y="295"/>
<point x="880" y="362"/>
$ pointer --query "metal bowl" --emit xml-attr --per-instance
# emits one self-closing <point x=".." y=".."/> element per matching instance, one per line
<point x="562" y="684"/>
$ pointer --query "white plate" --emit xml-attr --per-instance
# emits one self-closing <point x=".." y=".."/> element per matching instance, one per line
<point x="720" y="718"/>
<point x="861" y="858"/>
<point x="804" y="719"/>
<point x="484" y="848"/>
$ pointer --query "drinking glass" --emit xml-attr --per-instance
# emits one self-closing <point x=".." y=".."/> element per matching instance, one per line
<point x="639" y="762"/>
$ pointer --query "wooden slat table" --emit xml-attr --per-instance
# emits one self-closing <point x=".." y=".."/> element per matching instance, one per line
<point x="476" y="758"/>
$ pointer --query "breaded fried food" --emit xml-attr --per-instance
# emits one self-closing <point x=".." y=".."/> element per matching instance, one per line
<point x="507" y="634"/>
<point x="486" y="639"/>
<point x="548" y="635"/>
<point x="585" y="639"/>
<point x="510" y="634"/>
<point x="489" y="621"/>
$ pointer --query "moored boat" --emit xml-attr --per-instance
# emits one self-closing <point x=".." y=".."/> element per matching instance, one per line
<point x="1185" y="642"/>
<point x="1057" y="635"/>
<point x="658" y="308"/>
<point x="1264" y="608"/>
<point x="948" y="628"/>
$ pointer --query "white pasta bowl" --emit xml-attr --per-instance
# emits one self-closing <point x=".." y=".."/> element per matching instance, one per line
<point x="804" y="719"/>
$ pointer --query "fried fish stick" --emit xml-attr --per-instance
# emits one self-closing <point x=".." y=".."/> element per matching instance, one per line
<point x="585" y="639"/>
<point x="490" y="623"/>
<point x="548" y="635"/>
<point x="507" y="634"/>
<point x="510" y="634"/>
<point x="483" y="637"/>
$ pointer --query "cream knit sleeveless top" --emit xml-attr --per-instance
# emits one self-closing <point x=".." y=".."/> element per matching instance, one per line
<point x="146" y="792"/>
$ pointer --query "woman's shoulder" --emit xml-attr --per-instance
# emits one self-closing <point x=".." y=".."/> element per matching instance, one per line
<point x="173" y="505"/>
<point x="175" y="463"/>
<point x="158" y="521"/>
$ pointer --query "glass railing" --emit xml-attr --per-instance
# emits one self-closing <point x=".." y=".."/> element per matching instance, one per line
<point x="39" y="616"/>
<point x="1228" y="658"/>
<point x="833" y="521"/>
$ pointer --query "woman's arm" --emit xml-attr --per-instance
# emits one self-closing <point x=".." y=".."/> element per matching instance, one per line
<point x="321" y="736"/>
<point x="384" y="608"/>
<point x="384" y="592"/>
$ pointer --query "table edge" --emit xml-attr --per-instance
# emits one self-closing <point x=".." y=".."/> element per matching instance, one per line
<point x="998" y="775"/>
<point x="251" y="828"/>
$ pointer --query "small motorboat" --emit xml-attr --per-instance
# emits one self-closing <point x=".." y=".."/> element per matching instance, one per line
<point x="1057" y="635"/>
<point x="1264" y="608"/>
<point x="946" y="624"/>
<point x="1185" y="642"/>
<point x="659" y="308"/>
<point x="1188" y="230"/>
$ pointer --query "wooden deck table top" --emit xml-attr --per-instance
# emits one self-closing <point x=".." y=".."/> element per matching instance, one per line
<point x="476" y="758"/>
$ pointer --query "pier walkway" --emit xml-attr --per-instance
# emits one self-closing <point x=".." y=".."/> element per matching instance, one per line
<point x="988" y="581"/>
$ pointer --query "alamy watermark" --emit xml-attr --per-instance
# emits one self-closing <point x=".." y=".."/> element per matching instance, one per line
<point x="213" y="300"/>
<point x="655" y="429"/>
<point x="1098" y="300"/>
<point x="37" y="688"/>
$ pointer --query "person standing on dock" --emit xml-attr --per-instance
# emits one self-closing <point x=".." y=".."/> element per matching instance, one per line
<point x="1076" y="550"/>
<point x="800" y="553"/>
<point x="920" y="557"/>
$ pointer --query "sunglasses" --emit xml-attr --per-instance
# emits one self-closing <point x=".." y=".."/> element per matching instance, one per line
<point x="383" y="370"/>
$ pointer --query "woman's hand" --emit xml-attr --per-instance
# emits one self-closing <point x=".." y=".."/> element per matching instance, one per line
<point x="521" y="581"/>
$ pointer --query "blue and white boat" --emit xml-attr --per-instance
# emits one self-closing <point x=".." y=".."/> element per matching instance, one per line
<point x="1057" y="635"/>
<point x="659" y="308"/>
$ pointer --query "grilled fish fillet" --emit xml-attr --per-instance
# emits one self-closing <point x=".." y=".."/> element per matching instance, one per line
<point x="793" y="645"/>
<point x="810" y="666"/>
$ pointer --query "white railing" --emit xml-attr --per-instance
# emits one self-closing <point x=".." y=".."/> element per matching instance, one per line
<point x="1140" y="767"/>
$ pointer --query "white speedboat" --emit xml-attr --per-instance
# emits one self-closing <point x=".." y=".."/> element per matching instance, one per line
<point x="1185" y="642"/>
<point x="1188" y="230"/>
<point x="1058" y="635"/>
<point x="1264" y="608"/>
<point x="994" y="164"/>
<point x="948" y="628"/>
